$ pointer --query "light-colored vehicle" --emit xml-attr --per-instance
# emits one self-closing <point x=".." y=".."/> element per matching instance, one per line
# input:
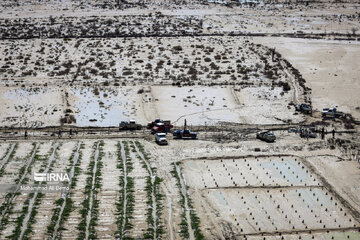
<point x="267" y="136"/>
<point x="331" y="113"/>
<point x="131" y="125"/>
<point x="160" y="138"/>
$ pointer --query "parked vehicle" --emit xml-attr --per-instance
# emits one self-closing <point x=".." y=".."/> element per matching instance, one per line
<point x="331" y="113"/>
<point x="266" y="136"/>
<point x="150" y="125"/>
<point x="166" y="124"/>
<point x="160" y="138"/>
<point x="305" y="108"/>
<point x="131" y="125"/>
<point x="184" y="134"/>
<point x="161" y="127"/>
<point x="309" y="132"/>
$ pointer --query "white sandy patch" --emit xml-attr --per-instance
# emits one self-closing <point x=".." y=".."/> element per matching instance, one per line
<point x="107" y="108"/>
<point x="211" y="105"/>
<point x="264" y="105"/>
<point x="331" y="69"/>
<point x="343" y="175"/>
<point x="198" y="105"/>
<point x="30" y="107"/>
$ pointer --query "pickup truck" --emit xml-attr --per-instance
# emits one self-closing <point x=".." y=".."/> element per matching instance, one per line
<point x="331" y="113"/>
<point x="131" y="125"/>
<point x="160" y="138"/>
<point x="184" y="134"/>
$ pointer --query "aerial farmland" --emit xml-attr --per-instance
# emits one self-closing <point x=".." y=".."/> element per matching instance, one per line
<point x="258" y="101"/>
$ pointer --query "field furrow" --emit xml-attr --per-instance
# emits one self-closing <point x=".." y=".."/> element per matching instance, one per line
<point x="109" y="193"/>
<point x="70" y="226"/>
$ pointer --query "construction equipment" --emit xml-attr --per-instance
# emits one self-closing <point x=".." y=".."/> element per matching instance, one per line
<point x="186" y="133"/>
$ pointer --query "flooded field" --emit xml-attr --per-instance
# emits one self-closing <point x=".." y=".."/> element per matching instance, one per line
<point x="104" y="107"/>
<point x="264" y="196"/>
<point x="107" y="107"/>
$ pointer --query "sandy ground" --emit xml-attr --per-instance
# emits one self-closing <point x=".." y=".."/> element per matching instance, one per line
<point x="332" y="166"/>
<point x="30" y="107"/>
<point x="90" y="62"/>
<point x="107" y="107"/>
<point x="211" y="105"/>
<point x="330" y="68"/>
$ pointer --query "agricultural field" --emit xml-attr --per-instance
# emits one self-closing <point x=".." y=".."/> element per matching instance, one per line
<point x="71" y="71"/>
<point x="127" y="188"/>
<point x="115" y="191"/>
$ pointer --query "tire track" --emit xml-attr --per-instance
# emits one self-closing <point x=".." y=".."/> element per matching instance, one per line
<point x="187" y="209"/>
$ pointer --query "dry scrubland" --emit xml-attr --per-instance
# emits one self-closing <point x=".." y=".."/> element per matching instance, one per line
<point x="230" y="70"/>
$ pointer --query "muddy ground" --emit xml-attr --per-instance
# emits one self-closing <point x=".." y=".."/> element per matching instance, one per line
<point x="230" y="68"/>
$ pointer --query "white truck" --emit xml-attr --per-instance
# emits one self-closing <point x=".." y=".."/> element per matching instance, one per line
<point x="160" y="138"/>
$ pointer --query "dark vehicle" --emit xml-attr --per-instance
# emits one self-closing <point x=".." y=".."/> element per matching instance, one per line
<point x="308" y="132"/>
<point x="266" y="136"/>
<point x="331" y="113"/>
<point x="305" y="108"/>
<point x="131" y="125"/>
<point x="184" y="134"/>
